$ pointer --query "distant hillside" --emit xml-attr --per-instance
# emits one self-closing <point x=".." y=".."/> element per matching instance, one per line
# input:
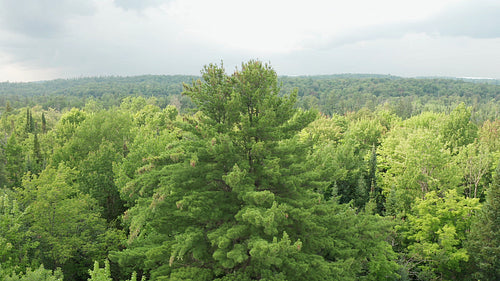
<point x="480" y="80"/>
<point x="63" y="93"/>
<point x="340" y="93"/>
<point x="404" y="96"/>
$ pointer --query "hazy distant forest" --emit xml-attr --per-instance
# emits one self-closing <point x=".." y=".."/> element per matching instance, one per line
<point x="248" y="175"/>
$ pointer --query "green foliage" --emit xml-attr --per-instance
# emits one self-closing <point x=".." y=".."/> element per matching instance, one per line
<point x="250" y="186"/>
<point x="484" y="238"/>
<point x="214" y="97"/>
<point x="436" y="232"/>
<point x="37" y="161"/>
<point x="225" y="196"/>
<point x="15" y="245"/>
<point x="30" y="123"/>
<point x="354" y="244"/>
<point x="342" y="168"/>
<point x="96" y="178"/>
<point x="475" y="161"/>
<point x="39" y="274"/>
<point x="100" y="274"/>
<point x="64" y="222"/>
<point x="342" y="94"/>
<point x="458" y="130"/>
<point x="96" y="143"/>
<point x="413" y="162"/>
<point x="68" y="124"/>
<point x="325" y="129"/>
<point x="87" y="132"/>
<point x="106" y="91"/>
<point x="489" y="134"/>
<point x="14" y="169"/>
<point x="366" y="133"/>
<point x="44" y="123"/>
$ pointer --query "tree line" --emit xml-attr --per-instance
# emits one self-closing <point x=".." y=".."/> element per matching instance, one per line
<point x="330" y="94"/>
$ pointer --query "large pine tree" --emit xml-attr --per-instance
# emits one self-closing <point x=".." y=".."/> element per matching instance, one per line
<point x="221" y="195"/>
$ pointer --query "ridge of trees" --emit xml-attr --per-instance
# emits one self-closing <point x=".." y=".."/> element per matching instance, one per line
<point x="331" y="94"/>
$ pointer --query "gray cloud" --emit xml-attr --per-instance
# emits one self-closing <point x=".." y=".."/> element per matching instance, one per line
<point x="138" y="4"/>
<point x="41" y="18"/>
<point x="123" y="37"/>
<point x="475" y="19"/>
<point x="411" y="55"/>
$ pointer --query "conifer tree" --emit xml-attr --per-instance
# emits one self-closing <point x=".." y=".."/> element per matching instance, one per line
<point x="375" y="191"/>
<point x="28" y="115"/>
<point x="224" y="197"/>
<point x="44" y="123"/>
<point x="37" y="155"/>
<point x="484" y="239"/>
<point x="30" y="123"/>
<point x="8" y="107"/>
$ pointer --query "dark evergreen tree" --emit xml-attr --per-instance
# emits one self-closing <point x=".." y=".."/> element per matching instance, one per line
<point x="44" y="123"/>
<point x="8" y="107"/>
<point x="30" y="123"/>
<point x="37" y="155"/>
<point x="375" y="191"/>
<point x="484" y="239"/>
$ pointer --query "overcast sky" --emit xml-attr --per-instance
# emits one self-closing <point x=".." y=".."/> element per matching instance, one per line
<point x="48" y="39"/>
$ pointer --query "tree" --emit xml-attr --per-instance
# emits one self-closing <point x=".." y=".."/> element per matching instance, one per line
<point x="207" y="170"/>
<point x="39" y="274"/>
<point x="484" y="238"/>
<point x="413" y="163"/>
<point x="366" y="133"/>
<point x="44" y="123"/>
<point x="475" y="160"/>
<point x="376" y="195"/>
<point x="65" y="223"/>
<point x="8" y="107"/>
<point x="93" y="146"/>
<point x="325" y="129"/>
<point x="30" y="123"/>
<point x="100" y="274"/>
<point x="457" y="129"/>
<point x="104" y="274"/>
<point x="68" y="124"/>
<point x="14" y="161"/>
<point x="37" y="155"/>
<point x="226" y="199"/>
<point x="489" y="134"/>
<point x="15" y="245"/>
<point x="436" y="231"/>
<point x="3" y="169"/>
<point x="342" y="170"/>
<point x="96" y="178"/>
<point x="82" y="134"/>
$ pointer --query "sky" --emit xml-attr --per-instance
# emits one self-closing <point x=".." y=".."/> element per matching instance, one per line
<point x="50" y="39"/>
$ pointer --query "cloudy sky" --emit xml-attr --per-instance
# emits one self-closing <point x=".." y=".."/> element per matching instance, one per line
<point x="48" y="39"/>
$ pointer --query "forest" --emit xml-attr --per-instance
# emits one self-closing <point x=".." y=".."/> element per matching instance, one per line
<point x="250" y="176"/>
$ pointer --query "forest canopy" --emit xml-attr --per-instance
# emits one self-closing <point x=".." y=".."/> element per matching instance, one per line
<point x="249" y="176"/>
